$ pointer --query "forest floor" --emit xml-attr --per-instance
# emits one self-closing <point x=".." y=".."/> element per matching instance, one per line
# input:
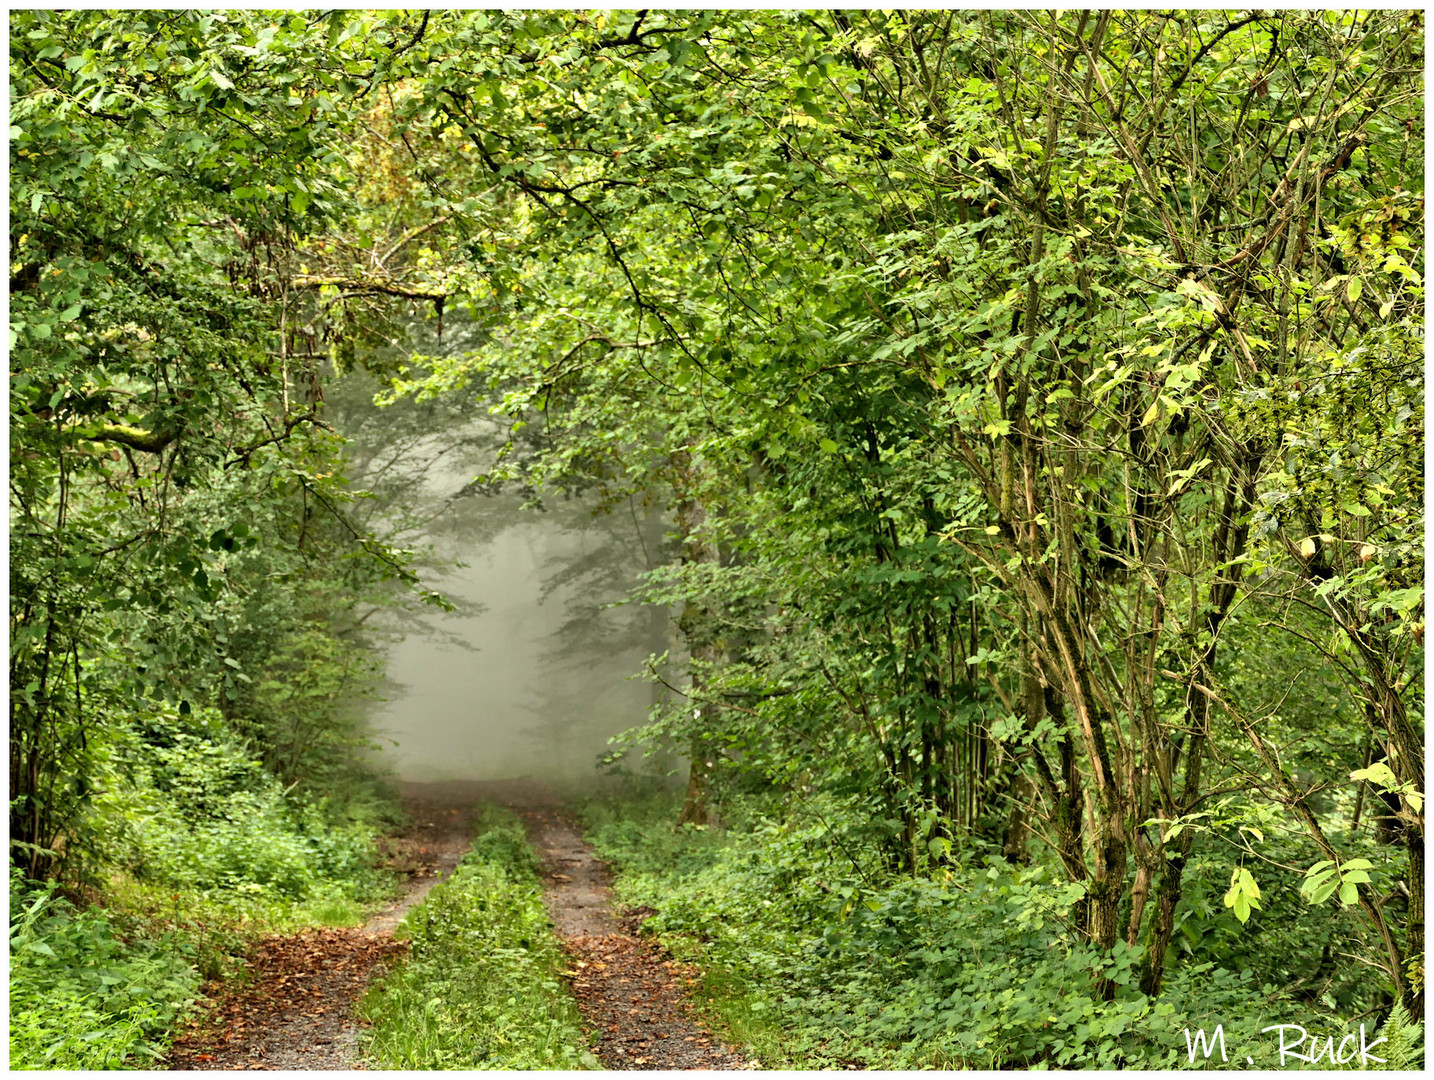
<point x="294" y="1010"/>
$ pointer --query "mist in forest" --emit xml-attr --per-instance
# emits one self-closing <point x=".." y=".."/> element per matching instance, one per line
<point x="531" y="675"/>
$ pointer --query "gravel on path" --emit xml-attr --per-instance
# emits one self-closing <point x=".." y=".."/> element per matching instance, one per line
<point x="295" y="1011"/>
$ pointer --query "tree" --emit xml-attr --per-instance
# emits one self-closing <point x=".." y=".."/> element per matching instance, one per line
<point x="163" y="165"/>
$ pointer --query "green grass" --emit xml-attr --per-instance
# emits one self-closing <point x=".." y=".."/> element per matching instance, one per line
<point x="480" y="990"/>
<point x="340" y="911"/>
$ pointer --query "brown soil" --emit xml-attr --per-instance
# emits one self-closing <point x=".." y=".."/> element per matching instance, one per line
<point x="295" y="1009"/>
<point x="632" y="997"/>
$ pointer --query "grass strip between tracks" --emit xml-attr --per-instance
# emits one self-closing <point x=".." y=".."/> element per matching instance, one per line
<point x="480" y="989"/>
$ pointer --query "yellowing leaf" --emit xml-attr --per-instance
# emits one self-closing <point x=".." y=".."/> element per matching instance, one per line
<point x="1378" y="773"/>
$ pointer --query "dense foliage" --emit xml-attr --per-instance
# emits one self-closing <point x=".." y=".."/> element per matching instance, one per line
<point x="818" y="961"/>
<point x="80" y="997"/>
<point x="178" y="528"/>
<point x="187" y="591"/>
<point x="1036" y="397"/>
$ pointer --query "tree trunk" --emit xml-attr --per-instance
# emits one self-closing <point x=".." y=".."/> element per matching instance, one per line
<point x="1018" y="828"/>
<point x="695" y="809"/>
<point x="695" y="628"/>
<point x="1167" y="897"/>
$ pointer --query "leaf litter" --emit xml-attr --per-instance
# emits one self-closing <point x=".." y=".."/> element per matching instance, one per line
<point x="294" y="1011"/>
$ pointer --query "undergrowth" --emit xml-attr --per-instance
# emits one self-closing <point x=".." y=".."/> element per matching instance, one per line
<point x="81" y="997"/>
<point x="480" y="990"/>
<point x="816" y="957"/>
<point x="201" y="841"/>
<point x="203" y="850"/>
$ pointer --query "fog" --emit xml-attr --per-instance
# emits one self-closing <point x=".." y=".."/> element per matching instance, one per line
<point x="532" y="674"/>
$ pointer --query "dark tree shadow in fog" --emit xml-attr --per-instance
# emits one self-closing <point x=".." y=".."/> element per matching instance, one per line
<point x="419" y="460"/>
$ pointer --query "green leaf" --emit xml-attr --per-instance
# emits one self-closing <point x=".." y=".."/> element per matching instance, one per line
<point x="1241" y="905"/>
<point x="1244" y="894"/>
<point x="1323" y="893"/>
<point x="1379" y="774"/>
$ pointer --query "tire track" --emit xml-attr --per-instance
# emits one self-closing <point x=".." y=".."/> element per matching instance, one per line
<point x="633" y="998"/>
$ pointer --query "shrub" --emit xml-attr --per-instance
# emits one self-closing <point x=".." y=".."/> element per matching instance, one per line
<point x="80" y="996"/>
<point x="185" y="806"/>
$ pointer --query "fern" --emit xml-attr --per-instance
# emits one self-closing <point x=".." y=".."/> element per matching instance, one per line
<point x="1404" y="1048"/>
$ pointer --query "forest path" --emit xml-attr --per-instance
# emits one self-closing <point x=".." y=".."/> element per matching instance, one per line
<point x="295" y="1011"/>
<point x="633" y="999"/>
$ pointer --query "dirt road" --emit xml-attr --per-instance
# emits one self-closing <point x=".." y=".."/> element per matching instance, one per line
<point x="632" y="997"/>
<point x="295" y="1011"/>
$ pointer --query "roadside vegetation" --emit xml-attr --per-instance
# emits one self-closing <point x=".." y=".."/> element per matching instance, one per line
<point x="481" y="989"/>
<point x="818" y="958"/>
<point x="203" y="851"/>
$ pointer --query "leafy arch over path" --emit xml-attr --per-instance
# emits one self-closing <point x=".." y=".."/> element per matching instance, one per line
<point x="1019" y="381"/>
